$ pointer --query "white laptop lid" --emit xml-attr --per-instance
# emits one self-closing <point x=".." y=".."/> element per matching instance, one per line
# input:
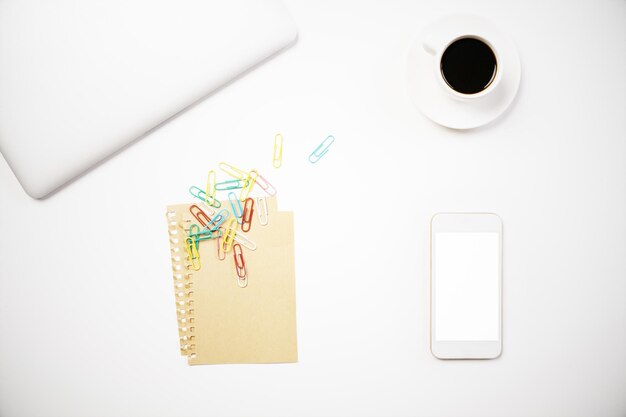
<point x="79" y="79"/>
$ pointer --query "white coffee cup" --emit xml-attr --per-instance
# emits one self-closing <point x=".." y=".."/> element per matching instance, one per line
<point x="437" y="48"/>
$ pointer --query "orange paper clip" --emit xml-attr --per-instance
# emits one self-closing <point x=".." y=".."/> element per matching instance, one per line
<point x="246" y="218"/>
<point x="220" y="250"/>
<point x="200" y="215"/>
<point x="240" y="265"/>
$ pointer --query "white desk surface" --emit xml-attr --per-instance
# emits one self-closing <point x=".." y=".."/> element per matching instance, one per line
<point x="87" y="322"/>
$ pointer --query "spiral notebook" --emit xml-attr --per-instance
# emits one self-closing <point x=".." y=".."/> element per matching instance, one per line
<point x="218" y="321"/>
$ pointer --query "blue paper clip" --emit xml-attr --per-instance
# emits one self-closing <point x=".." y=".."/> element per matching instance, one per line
<point x="218" y="219"/>
<point x="230" y="185"/>
<point x="321" y="150"/>
<point x="201" y="195"/>
<point x="236" y="205"/>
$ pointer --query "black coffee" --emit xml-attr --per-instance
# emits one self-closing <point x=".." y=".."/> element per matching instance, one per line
<point x="468" y="65"/>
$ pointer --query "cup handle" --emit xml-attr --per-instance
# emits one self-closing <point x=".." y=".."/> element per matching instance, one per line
<point x="428" y="46"/>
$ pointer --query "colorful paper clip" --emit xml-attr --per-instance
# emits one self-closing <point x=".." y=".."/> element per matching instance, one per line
<point x="233" y="171"/>
<point x="218" y="219"/>
<point x="246" y="217"/>
<point x="240" y="266"/>
<point x="210" y="210"/>
<point x="220" y="250"/>
<point x="262" y="211"/>
<point x="229" y="235"/>
<point x="250" y="181"/>
<point x="230" y="185"/>
<point x="277" y="159"/>
<point x="265" y="185"/>
<point x="236" y="206"/>
<point x="245" y="241"/>
<point x="201" y="195"/>
<point x="210" y="184"/>
<point x="192" y="254"/>
<point x="199" y="235"/>
<point x="321" y="149"/>
<point x="200" y="215"/>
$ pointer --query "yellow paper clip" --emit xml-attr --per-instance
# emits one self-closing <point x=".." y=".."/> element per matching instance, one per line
<point x="210" y="184"/>
<point x="277" y="160"/>
<point x="250" y="181"/>
<point x="321" y="149"/>
<point x="263" y="214"/>
<point x="192" y="253"/>
<point x="229" y="236"/>
<point x="233" y="171"/>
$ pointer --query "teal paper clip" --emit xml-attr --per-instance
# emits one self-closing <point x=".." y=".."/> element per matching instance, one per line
<point x="321" y="150"/>
<point x="236" y="205"/>
<point x="198" y="235"/>
<point x="201" y="195"/>
<point x="230" y="185"/>
<point x="218" y="220"/>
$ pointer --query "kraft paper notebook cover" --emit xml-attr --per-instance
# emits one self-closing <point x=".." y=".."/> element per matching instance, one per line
<point x="218" y="321"/>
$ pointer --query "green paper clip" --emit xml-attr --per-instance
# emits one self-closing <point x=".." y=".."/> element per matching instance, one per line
<point x="230" y="185"/>
<point x="198" y="235"/>
<point x="201" y="195"/>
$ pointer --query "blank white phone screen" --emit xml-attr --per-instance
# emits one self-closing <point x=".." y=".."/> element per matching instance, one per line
<point x="466" y="286"/>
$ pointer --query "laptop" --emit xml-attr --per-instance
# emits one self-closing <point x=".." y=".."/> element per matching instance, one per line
<point x="79" y="80"/>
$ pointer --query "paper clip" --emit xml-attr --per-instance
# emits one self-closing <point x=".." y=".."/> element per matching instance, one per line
<point x="192" y="254"/>
<point x="199" y="235"/>
<point x="240" y="265"/>
<point x="245" y="241"/>
<point x="229" y="235"/>
<point x="210" y="184"/>
<point x="220" y="251"/>
<point x="218" y="220"/>
<point x="233" y="171"/>
<point x="321" y="149"/>
<point x="246" y="217"/>
<point x="277" y="160"/>
<point x="236" y="206"/>
<point x="243" y="283"/>
<point x="262" y="211"/>
<point x="200" y="215"/>
<point x="250" y="181"/>
<point x="208" y="209"/>
<point x="265" y="185"/>
<point x="201" y="195"/>
<point x="230" y="185"/>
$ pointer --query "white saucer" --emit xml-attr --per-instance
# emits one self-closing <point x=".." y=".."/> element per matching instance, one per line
<point x="437" y="104"/>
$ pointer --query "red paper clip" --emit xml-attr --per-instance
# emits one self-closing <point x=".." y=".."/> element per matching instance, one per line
<point x="220" y="251"/>
<point x="246" y="217"/>
<point x="240" y="264"/>
<point x="200" y="215"/>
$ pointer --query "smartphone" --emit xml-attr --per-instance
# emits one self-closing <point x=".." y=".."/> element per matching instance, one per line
<point x="466" y="286"/>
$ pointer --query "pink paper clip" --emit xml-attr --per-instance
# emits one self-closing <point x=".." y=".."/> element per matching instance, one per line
<point x="265" y="185"/>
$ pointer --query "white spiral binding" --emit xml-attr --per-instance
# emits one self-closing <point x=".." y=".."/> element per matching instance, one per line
<point x="183" y="287"/>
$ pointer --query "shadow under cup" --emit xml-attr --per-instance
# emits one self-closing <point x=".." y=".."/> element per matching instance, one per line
<point x="469" y="65"/>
